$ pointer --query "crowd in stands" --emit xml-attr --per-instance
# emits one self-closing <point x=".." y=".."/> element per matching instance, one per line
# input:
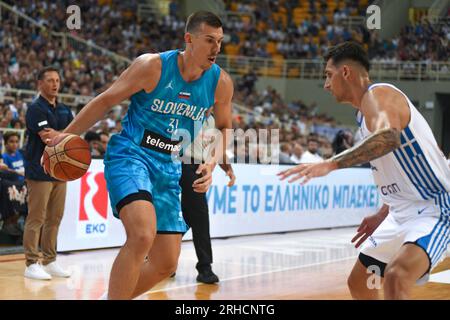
<point x="293" y="29"/>
<point x="24" y="50"/>
<point x="290" y="29"/>
<point x="279" y="29"/>
<point x="114" y="25"/>
<point x="424" y="42"/>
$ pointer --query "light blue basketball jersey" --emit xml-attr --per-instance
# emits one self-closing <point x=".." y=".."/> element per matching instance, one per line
<point x="139" y="159"/>
<point x="172" y="106"/>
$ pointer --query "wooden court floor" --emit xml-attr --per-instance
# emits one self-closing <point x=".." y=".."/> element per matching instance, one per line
<point x="300" y="265"/>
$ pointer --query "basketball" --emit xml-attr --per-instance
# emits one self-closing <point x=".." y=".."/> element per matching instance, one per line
<point x="68" y="158"/>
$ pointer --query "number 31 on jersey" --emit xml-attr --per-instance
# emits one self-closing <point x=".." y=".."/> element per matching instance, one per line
<point x="173" y="125"/>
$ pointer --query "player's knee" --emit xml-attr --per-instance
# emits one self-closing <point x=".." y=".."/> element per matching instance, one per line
<point x="395" y="275"/>
<point x="141" y="240"/>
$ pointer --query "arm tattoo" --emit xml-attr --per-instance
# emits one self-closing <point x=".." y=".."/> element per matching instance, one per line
<point x="374" y="146"/>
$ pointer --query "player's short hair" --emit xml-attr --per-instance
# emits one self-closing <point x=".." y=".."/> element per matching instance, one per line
<point x="43" y="71"/>
<point x="8" y="135"/>
<point x="197" y="18"/>
<point x="348" y="50"/>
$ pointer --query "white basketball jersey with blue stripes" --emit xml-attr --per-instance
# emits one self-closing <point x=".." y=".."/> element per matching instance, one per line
<point x="416" y="174"/>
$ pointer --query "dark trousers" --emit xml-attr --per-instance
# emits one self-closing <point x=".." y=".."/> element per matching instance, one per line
<point x="195" y="212"/>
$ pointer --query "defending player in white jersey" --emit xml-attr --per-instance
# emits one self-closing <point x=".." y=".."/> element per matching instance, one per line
<point x="409" y="235"/>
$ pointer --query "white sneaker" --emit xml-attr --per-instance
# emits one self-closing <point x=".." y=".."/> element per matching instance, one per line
<point x="35" y="271"/>
<point x="56" y="270"/>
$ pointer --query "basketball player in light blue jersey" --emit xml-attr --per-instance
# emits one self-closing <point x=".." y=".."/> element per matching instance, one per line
<point x="170" y="92"/>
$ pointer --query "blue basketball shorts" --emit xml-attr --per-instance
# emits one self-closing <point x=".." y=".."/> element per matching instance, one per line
<point x="130" y="169"/>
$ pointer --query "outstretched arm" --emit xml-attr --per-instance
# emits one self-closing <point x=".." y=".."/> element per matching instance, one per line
<point x="386" y="114"/>
<point x="374" y="146"/>
<point x="143" y="73"/>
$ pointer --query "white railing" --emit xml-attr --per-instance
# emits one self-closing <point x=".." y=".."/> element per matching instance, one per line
<point x="146" y="9"/>
<point x="218" y="5"/>
<point x="440" y="21"/>
<point x="313" y="69"/>
<point x="352" y="21"/>
<point x="437" y="8"/>
<point x="75" y="100"/>
<point x="227" y="15"/>
<point x="28" y="96"/>
<point x="81" y="45"/>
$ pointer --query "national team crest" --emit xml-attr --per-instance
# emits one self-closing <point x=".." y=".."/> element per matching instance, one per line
<point x="184" y="95"/>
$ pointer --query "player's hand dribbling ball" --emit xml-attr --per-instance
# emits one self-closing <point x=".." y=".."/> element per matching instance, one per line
<point x="67" y="157"/>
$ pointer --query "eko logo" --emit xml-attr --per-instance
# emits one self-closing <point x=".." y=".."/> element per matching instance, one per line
<point x="93" y="214"/>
